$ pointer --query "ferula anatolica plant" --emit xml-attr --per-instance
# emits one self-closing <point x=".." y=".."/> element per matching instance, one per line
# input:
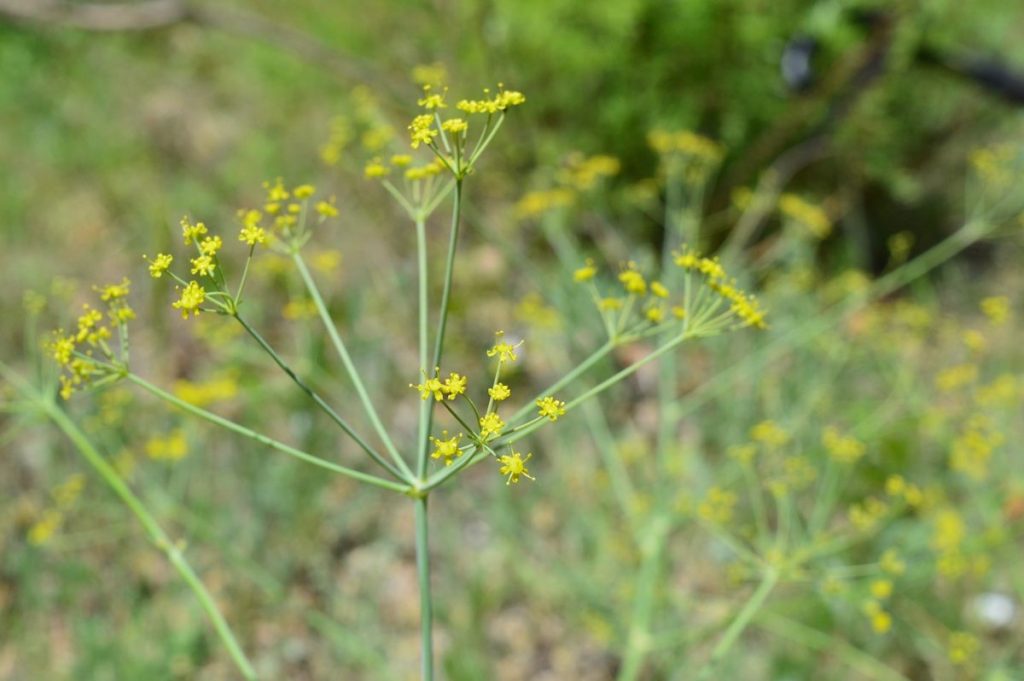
<point x="693" y="297"/>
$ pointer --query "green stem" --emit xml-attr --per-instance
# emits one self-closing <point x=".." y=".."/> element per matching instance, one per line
<point x="426" y="607"/>
<point x="607" y="383"/>
<point x="865" y="664"/>
<point x="353" y="374"/>
<point x="374" y="454"/>
<point x="442" y="323"/>
<point x="426" y="408"/>
<point x="245" y="275"/>
<point x="639" y="641"/>
<point x="739" y="624"/>
<point x="263" y="439"/>
<point x="156" y="533"/>
<point x="565" y="380"/>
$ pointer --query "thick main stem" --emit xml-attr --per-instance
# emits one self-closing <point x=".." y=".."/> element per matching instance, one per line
<point x="427" y="406"/>
<point x="426" y="605"/>
<point x="442" y="323"/>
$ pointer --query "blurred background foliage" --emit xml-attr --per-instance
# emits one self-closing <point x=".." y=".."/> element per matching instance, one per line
<point x="108" y="137"/>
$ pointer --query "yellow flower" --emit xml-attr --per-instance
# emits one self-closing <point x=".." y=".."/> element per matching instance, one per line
<point x="327" y="209"/>
<point x="632" y="280"/>
<point x="881" y="589"/>
<point x="159" y="264"/>
<point x="431" y="101"/>
<point x="658" y="289"/>
<point x="192" y="297"/>
<point x="326" y="261"/>
<point x="997" y="309"/>
<point x="842" y="449"/>
<point x="401" y="160"/>
<point x="811" y="217"/>
<point x="881" y="621"/>
<point x="448" y="449"/>
<point x="499" y="392"/>
<point x="304" y="191"/>
<point x="769" y="433"/>
<point x="514" y="466"/>
<point x="210" y="245"/>
<point x="252" y="234"/>
<point x="88" y="327"/>
<point x="431" y="386"/>
<point x="276" y="192"/>
<point x="203" y="265"/>
<point x="429" y="74"/>
<point x="454" y="385"/>
<point x="505" y="351"/>
<point x="717" y="506"/>
<point x="454" y="125"/>
<point x="61" y="349"/>
<point x="171" y="447"/>
<point x="112" y="292"/>
<point x="963" y="648"/>
<point x="491" y="425"/>
<point x="655" y="314"/>
<point x="421" y="130"/>
<point x="507" y="98"/>
<point x="956" y="377"/>
<point x="190" y="232"/>
<point x="541" y="201"/>
<point x="551" y="408"/>
<point x="891" y="563"/>
<point x="585" y="273"/>
<point x="376" y="169"/>
<point x="44" y="528"/>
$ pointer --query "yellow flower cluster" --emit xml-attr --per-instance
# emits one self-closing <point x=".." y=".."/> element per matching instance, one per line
<point x="451" y="387"/>
<point x="963" y="648"/>
<point x="503" y="100"/>
<point x="338" y="138"/>
<point x="881" y="621"/>
<point x="685" y="143"/>
<point x="446" y="448"/>
<point x="490" y="425"/>
<point x="769" y="433"/>
<point x="972" y="449"/>
<point x="742" y="305"/>
<point x="582" y="173"/>
<point x="579" y="174"/>
<point x="538" y="202"/>
<point x="203" y="394"/>
<point x="956" y="377"/>
<point x="428" y="129"/>
<point x="514" y="466"/>
<point x="843" y="449"/>
<point x="64" y="497"/>
<point x="718" y="506"/>
<point x="866" y="515"/>
<point x="75" y="352"/>
<point x="170" y="447"/>
<point x="997" y="309"/>
<point x="550" y="408"/>
<point x="809" y="216"/>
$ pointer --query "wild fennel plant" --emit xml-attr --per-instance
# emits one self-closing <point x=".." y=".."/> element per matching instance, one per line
<point x="694" y="298"/>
